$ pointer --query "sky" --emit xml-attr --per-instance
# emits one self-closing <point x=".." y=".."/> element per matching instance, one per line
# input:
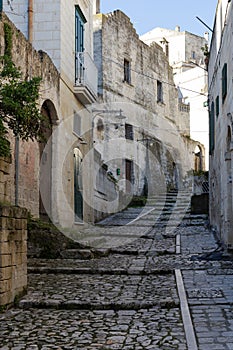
<point x="148" y="14"/>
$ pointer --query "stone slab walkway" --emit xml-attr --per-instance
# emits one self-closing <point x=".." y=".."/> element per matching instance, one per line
<point x="128" y="299"/>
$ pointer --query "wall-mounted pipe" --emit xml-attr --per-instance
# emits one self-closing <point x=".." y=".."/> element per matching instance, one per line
<point x="30" y="21"/>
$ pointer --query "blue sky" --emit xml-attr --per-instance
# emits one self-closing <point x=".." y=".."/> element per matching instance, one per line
<point x="148" y="14"/>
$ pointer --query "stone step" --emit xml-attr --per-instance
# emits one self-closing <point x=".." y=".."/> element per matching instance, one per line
<point x="131" y="291"/>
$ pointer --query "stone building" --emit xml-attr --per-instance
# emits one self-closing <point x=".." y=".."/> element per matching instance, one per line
<point x="63" y="29"/>
<point x="31" y="64"/>
<point x="141" y="130"/>
<point x="185" y="52"/>
<point x="220" y="70"/>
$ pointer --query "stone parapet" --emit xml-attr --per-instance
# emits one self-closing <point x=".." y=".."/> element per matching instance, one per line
<point x="13" y="253"/>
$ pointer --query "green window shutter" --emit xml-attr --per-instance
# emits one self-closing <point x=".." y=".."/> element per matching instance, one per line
<point x="79" y="29"/>
<point x="224" y="82"/>
<point x="211" y="129"/>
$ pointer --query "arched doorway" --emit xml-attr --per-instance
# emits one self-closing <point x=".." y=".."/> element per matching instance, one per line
<point x="198" y="160"/>
<point x="45" y="146"/>
<point x="78" y="188"/>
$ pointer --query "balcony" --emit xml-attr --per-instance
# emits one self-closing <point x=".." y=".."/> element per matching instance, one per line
<point x="183" y="107"/>
<point x="86" y="78"/>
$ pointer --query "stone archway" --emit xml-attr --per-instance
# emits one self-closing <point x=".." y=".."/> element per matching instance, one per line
<point x="46" y="158"/>
<point x="198" y="159"/>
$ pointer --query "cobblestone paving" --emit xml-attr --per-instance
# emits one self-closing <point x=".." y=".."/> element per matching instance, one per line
<point x="127" y="299"/>
<point x="105" y="329"/>
<point x="102" y="292"/>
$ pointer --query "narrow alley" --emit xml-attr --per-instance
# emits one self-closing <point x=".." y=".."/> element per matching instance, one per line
<point x="169" y="287"/>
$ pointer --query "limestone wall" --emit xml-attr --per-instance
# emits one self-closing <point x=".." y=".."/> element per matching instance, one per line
<point x="31" y="63"/>
<point x="221" y="121"/>
<point x="149" y="100"/>
<point x="5" y="183"/>
<point x="13" y="253"/>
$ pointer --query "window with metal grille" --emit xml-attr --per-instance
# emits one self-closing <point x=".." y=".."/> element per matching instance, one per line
<point x="127" y="71"/>
<point x="224" y="82"/>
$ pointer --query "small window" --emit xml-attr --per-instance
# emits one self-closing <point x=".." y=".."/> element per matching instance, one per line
<point x="77" y="124"/>
<point x="159" y="91"/>
<point x="224" y="82"/>
<point x="129" y="131"/>
<point x="193" y="55"/>
<point x="127" y="71"/>
<point x="217" y="106"/>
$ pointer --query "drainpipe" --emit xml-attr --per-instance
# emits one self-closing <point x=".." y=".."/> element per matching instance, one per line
<point x="30" y="21"/>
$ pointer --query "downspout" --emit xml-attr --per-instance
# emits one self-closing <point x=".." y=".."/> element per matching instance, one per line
<point x="30" y="21"/>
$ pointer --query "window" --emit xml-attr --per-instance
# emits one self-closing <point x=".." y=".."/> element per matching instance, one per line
<point x="217" y="106"/>
<point x="193" y="55"/>
<point x="159" y="91"/>
<point x="129" y="131"/>
<point x="127" y="72"/>
<point x="77" y="124"/>
<point x="212" y="128"/>
<point x="224" y="82"/>
<point x="79" y="29"/>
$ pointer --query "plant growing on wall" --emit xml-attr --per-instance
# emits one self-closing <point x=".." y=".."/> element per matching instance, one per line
<point x="18" y="100"/>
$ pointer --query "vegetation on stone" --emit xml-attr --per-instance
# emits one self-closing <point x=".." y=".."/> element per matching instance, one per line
<point x="18" y="100"/>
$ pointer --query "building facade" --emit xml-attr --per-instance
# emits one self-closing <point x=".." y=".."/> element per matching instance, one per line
<point x="20" y="184"/>
<point x="141" y="132"/>
<point x="64" y="30"/>
<point x="220" y="70"/>
<point x="185" y="52"/>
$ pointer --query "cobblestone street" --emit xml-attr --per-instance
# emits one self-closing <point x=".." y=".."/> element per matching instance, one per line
<point x="132" y="296"/>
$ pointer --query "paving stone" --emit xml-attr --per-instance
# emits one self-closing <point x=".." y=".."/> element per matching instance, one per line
<point x="126" y="297"/>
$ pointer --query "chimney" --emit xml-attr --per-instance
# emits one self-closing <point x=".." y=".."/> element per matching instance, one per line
<point x="177" y="29"/>
<point x="206" y="36"/>
<point x="96" y="7"/>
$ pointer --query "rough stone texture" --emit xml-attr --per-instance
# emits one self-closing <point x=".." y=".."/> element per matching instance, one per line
<point x="53" y="32"/>
<point x="186" y="56"/>
<point x="4" y="179"/>
<point x="31" y="63"/>
<point x="152" y="158"/>
<point x="221" y="125"/>
<point x="13" y="253"/>
<point x="128" y="299"/>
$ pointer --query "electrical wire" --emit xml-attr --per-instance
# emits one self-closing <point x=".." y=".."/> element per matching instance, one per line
<point x="108" y="59"/>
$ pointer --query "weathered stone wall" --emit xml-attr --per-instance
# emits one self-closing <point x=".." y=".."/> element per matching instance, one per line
<point x="31" y="63"/>
<point x="5" y="188"/>
<point x="221" y="130"/>
<point x="13" y="253"/>
<point x="161" y="156"/>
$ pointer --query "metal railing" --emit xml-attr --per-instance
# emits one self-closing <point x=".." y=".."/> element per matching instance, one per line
<point x="201" y="185"/>
<point x="183" y="107"/>
<point x="86" y="73"/>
